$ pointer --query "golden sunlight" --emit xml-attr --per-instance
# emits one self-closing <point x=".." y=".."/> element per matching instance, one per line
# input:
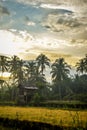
<point x="4" y="75"/>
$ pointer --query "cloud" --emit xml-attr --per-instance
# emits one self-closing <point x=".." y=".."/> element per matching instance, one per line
<point x="66" y="17"/>
<point x="26" y="46"/>
<point x="31" y="23"/>
<point x="23" y="35"/>
<point x="4" y="11"/>
<point x="60" y="22"/>
<point x="67" y="24"/>
<point x="30" y="2"/>
<point x="28" y="21"/>
<point x="54" y="47"/>
<point x="54" y="6"/>
<point x="13" y="42"/>
<point x="52" y="55"/>
<point x="62" y="34"/>
<point x="74" y="4"/>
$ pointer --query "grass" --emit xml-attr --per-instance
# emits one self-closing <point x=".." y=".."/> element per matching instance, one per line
<point x="45" y="115"/>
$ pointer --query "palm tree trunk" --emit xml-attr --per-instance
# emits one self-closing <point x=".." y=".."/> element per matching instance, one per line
<point x="59" y="92"/>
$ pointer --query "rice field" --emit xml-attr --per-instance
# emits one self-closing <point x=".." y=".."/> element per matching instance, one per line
<point x="45" y="115"/>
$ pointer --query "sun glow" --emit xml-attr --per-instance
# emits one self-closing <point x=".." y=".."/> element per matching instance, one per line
<point x="4" y="75"/>
<point x="11" y="43"/>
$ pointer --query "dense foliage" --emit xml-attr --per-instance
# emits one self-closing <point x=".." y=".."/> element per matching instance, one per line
<point x="62" y="87"/>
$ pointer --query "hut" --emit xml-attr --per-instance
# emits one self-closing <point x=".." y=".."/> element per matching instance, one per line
<point x="25" y="93"/>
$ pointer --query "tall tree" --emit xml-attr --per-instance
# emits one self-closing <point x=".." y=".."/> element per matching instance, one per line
<point x="85" y="62"/>
<point x="60" y="71"/>
<point x="3" y="64"/>
<point x="42" y="62"/>
<point x="30" y="69"/>
<point x="20" y="72"/>
<point x="33" y="74"/>
<point x="16" y="69"/>
<point x="81" y="66"/>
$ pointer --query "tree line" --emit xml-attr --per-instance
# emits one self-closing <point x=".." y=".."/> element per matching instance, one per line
<point x="32" y="73"/>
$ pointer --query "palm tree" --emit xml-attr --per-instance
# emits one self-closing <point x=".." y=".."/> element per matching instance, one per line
<point x="30" y="69"/>
<point x="39" y="79"/>
<point x="16" y="69"/>
<point x="42" y="62"/>
<point x="85" y="63"/>
<point x="81" y="66"/>
<point x="60" y="71"/>
<point x="20" y="72"/>
<point x="14" y="66"/>
<point x="3" y="64"/>
<point x="17" y="74"/>
<point x="32" y="73"/>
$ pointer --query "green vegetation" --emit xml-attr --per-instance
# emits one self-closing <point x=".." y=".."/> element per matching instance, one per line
<point x="65" y="91"/>
<point x="63" y="86"/>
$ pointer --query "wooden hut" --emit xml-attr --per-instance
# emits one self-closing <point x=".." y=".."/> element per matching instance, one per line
<point x="25" y="93"/>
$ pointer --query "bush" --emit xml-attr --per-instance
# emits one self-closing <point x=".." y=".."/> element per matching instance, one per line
<point x="7" y="103"/>
<point x="64" y="104"/>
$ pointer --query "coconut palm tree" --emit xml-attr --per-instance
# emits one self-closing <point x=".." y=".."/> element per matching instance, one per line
<point x="32" y="72"/>
<point x="85" y="63"/>
<point x="30" y="69"/>
<point x="81" y="66"/>
<point x="3" y="64"/>
<point x="14" y="66"/>
<point x="20" y="72"/>
<point x="42" y="62"/>
<point x="17" y="74"/>
<point x="16" y="69"/>
<point x="60" y="71"/>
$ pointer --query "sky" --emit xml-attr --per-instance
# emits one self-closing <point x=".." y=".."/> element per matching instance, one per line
<point x="56" y="28"/>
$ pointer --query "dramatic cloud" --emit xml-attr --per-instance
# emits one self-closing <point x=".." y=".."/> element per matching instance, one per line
<point x="55" y="4"/>
<point x="57" y="28"/>
<point x="67" y="23"/>
<point x="74" y="2"/>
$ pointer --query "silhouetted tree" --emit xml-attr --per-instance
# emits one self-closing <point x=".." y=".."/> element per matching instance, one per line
<point x="60" y="72"/>
<point x="81" y="66"/>
<point x="42" y="62"/>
